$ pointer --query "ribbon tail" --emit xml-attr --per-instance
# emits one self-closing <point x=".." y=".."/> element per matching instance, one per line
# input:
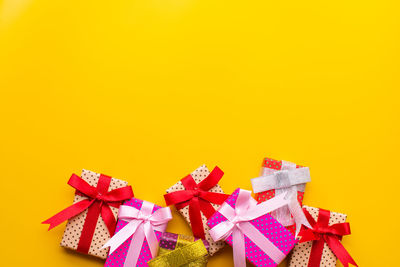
<point x="121" y="236"/>
<point x="135" y="247"/>
<point x="151" y="238"/>
<point x="68" y="213"/>
<point x="108" y="218"/>
<point x="316" y="253"/>
<point x="339" y="250"/>
<point x="195" y="218"/>
<point x="298" y="215"/>
<point x="239" y="250"/>
<point x="207" y="209"/>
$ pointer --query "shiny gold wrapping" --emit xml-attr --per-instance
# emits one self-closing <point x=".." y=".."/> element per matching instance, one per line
<point x="182" y="241"/>
<point x="186" y="254"/>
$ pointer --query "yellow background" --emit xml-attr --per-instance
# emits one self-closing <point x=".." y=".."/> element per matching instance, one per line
<point x="149" y="90"/>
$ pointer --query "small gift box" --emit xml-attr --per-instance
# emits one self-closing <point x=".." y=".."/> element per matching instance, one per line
<point x="196" y="197"/>
<point x="251" y="231"/>
<point x="281" y="177"/>
<point x="92" y="217"/>
<point x="320" y="244"/>
<point x="181" y="250"/>
<point x="139" y="228"/>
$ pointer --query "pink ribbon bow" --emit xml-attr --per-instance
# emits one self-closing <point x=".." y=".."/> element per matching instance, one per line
<point x="238" y="224"/>
<point x="141" y="225"/>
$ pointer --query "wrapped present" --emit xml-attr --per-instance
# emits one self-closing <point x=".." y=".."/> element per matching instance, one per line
<point x="197" y="196"/>
<point x="181" y="250"/>
<point x="320" y="244"/>
<point x="170" y="241"/>
<point x="251" y="231"/>
<point x="139" y="228"/>
<point x="281" y="177"/>
<point x="92" y="217"/>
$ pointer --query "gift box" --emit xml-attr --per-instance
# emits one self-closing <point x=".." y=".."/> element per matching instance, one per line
<point x="320" y="245"/>
<point x="139" y="228"/>
<point x="180" y="250"/>
<point x="196" y="197"/>
<point x="92" y="217"/>
<point x="251" y="231"/>
<point x="281" y="177"/>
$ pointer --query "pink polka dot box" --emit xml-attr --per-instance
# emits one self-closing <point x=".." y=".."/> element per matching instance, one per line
<point x="282" y="238"/>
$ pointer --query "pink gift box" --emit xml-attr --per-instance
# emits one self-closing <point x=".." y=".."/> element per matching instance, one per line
<point x="117" y="258"/>
<point x="282" y="238"/>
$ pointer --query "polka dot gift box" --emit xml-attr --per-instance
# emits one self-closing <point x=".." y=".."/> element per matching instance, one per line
<point x="321" y="245"/>
<point x="92" y="217"/>
<point x="251" y="231"/>
<point x="196" y="197"/>
<point x="139" y="228"/>
<point x="280" y="177"/>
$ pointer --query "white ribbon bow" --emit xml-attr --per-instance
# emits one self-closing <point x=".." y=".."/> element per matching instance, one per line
<point x="238" y="224"/>
<point x="141" y="225"/>
<point x="286" y="181"/>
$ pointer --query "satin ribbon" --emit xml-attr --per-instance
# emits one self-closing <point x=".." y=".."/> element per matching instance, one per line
<point x="191" y="255"/>
<point x="98" y="201"/>
<point x="238" y="224"/>
<point x="198" y="198"/>
<point x="321" y="232"/>
<point x="283" y="181"/>
<point x="141" y="226"/>
<point x="287" y="165"/>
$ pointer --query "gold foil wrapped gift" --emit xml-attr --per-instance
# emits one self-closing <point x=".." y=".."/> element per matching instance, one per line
<point x="180" y="250"/>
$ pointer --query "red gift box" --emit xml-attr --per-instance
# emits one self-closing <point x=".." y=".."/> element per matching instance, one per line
<point x="277" y="177"/>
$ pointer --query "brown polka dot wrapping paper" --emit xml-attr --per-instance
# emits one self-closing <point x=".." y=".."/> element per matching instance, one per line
<point x="279" y="177"/>
<point x="301" y="253"/>
<point x="199" y="175"/>
<point x="89" y="236"/>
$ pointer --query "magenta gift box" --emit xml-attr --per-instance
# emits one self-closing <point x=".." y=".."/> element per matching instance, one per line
<point x="117" y="258"/>
<point x="268" y="226"/>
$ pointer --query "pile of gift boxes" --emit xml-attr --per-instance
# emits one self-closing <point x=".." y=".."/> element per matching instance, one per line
<point x="107" y="221"/>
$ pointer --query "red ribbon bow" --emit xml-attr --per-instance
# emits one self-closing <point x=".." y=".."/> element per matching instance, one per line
<point x="98" y="203"/>
<point x="322" y="233"/>
<point x="198" y="198"/>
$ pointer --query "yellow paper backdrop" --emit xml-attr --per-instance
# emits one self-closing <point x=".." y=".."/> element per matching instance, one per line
<point x="149" y="90"/>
